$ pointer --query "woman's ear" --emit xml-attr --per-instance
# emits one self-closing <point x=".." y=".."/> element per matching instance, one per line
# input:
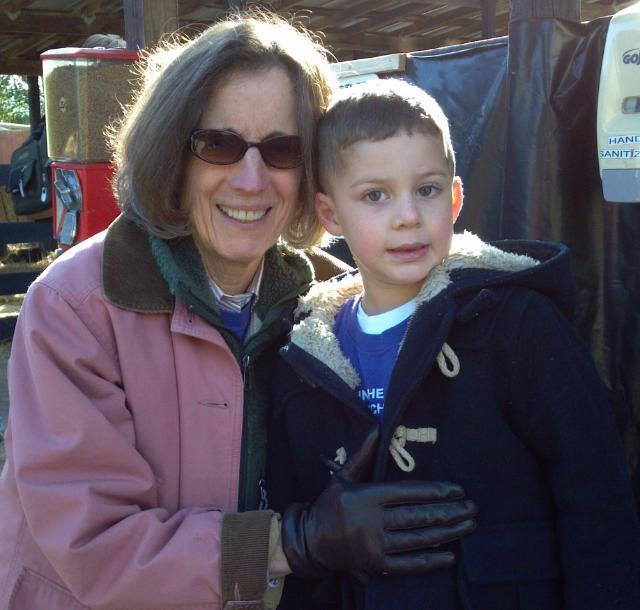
<point x="325" y="210"/>
<point x="457" y="197"/>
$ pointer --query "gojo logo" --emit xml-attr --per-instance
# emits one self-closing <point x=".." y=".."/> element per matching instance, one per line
<point x="632" y="56"/>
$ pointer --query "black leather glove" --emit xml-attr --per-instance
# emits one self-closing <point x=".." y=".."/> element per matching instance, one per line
<point x="389" y="527"/>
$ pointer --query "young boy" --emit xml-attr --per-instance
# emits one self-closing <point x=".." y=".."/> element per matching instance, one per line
<point x="462" y="354"/>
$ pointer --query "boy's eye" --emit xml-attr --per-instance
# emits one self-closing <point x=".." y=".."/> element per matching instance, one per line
<point x="375" y="196"/>
<point x="428" y="190"/>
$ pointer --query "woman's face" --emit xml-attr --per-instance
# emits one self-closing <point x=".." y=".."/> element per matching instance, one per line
<point x="238" y="211"/>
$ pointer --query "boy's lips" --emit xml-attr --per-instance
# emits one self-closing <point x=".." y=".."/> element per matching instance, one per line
<point x="413" y="251"/>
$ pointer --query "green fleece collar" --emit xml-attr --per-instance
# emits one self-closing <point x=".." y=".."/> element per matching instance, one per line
<point x="182" y="270"/>
<point x="157" y="269"/>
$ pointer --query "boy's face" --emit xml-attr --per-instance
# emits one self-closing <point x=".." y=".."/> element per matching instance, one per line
<point x="395" y="202"/>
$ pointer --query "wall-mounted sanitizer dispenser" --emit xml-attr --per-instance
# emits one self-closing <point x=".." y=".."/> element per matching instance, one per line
<point x="619" y="109"/>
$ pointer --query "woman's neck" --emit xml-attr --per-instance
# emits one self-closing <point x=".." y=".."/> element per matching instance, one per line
<point x="231" y="278"/>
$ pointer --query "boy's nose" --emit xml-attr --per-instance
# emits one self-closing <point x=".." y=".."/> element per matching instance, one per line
<point x="250" y="173"/>
<point x="407" y="214"/>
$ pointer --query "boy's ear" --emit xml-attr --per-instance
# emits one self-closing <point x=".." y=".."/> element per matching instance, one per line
<point x="326" y="214"/>
<point x="456" y="191"/>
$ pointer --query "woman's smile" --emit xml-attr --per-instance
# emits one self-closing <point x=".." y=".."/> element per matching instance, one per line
<point x="243" y="215"/>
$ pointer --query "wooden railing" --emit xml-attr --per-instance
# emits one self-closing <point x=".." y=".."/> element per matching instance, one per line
<point x="17" y="282"/>
<point x="21" y="233"/>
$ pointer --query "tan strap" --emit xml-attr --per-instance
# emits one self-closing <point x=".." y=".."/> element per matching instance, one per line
<point x="244" y="550"/>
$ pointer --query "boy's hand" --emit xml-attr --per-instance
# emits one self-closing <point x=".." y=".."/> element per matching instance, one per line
<point x="388" y="527"/>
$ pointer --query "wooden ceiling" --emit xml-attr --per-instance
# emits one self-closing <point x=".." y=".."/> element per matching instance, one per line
<point x="352" y="29"/>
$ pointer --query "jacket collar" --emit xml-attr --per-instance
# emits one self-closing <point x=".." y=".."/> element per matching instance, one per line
<point x="142" y="288"/>
<point x="314" y="334"/>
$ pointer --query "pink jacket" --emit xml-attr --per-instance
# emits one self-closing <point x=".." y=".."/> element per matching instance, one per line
<point x="126" y="413"/>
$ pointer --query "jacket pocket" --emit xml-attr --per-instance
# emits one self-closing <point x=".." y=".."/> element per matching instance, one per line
<point x="510" y="567"/>
<point x="35" y="592"/>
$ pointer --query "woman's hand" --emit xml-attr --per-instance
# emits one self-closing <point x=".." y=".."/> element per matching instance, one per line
<point x="390" y="527"/>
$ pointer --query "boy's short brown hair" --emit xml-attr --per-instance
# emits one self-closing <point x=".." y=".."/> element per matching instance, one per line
<point x="377" y="110"/>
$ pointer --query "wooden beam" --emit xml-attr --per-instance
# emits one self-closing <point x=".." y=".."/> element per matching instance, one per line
<point x="410" y="14"/>
<point x="189" y="6"/>
<point x="133" y="24"/>
<point x="568" y="10"/>
<point x="17" y="282"/>
<point x="33" y="23"/>
<point x="477" y="4"/>
<point x="459" y="31"/>
<point x="489" y="18"/>
<point x="11" y="8"/>
<point x="343" y="16"/>
<point x="376" y="44"/>
<point x="395" y="62"/>
<point x="25" y="232"/>
<point x="22" y="67"/>
<point x="147" y="21"/>
<point x="285" y="5"/>
<point x="379" y="43"/>
<point x="428" y="22"/>
<point x="160" y="18"/>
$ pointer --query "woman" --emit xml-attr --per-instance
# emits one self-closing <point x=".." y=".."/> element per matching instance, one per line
<point x="142" y="357"/>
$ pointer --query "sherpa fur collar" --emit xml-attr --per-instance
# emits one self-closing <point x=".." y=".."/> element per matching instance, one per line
<point x="314" y="334"/>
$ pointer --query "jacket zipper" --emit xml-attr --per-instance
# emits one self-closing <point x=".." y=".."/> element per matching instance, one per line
<point x="246" y="358"/>
<point x="246" y="362"/>
<point x="246" y="372"/>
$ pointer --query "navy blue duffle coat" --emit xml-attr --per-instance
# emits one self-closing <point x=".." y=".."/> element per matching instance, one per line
<point x="493" y="390"/>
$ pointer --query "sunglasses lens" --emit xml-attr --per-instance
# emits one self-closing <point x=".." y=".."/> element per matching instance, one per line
<point x="225" y="148"/>
<point x="219" y="147"/>
<point x="283" y="152"/>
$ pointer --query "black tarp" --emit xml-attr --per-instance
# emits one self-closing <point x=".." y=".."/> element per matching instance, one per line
<point x="523" y="116"/>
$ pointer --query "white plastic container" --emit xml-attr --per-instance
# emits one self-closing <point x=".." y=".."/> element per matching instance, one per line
<point x="619" y="109"/>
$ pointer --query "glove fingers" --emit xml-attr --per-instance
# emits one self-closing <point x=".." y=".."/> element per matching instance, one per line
<point x="392" y="493"/>
<point x="412" y="540"/>
<point x="417" y="563"/>
<point x="359" y="465"/>
<point x="426" y="515"/>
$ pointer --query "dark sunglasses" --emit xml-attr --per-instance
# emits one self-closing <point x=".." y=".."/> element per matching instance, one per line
<point x="225" y="147"/>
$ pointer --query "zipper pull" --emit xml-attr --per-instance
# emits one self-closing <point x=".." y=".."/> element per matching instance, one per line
<point x="264" y="500"/>
<point x="246" y="371"/>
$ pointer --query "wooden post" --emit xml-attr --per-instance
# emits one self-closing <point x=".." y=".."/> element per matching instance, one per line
<point x="33" y="95"/>
<point x="133" y="24"/>
<point x="568" y="10"/>
<point x="488" y="18"/>
<point x="146" y="21"/>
